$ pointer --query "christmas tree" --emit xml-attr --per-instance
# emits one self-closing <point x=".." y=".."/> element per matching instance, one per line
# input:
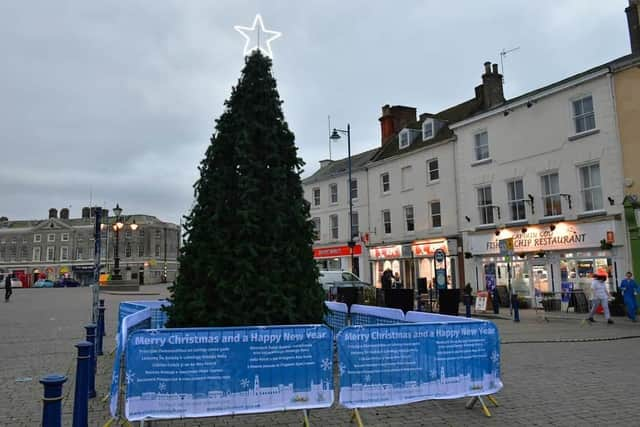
<point x="247" y="257"/>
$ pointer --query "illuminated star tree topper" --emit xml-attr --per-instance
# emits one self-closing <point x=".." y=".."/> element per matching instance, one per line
<point x="260" y="35"/>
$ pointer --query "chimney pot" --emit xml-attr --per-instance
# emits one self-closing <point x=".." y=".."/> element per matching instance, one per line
<point x="325" y="162"/>
<point x="487" y="67"/>
<point x="53" y="213"/>
<point x="495" y="68"/>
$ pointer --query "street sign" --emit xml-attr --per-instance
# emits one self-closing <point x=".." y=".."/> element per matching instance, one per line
<point x="506" y="246"/>
<point x="439" y="255"/>
<point x="441" y="278"/>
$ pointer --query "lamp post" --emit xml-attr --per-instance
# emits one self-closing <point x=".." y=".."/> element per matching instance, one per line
<point x="335" y="136"/>
<point x="117" y="226"/>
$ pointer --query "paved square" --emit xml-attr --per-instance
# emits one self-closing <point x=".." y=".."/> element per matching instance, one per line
<point x="561" y="372"/>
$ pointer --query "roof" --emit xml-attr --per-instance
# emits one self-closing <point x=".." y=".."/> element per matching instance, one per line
<point x="341" y="166"/>
<point x="19" y="225"/>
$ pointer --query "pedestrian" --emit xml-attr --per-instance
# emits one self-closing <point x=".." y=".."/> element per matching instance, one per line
<point x="397" y="281"/>
<point x="495" y="300"/>
<point x="7" y="287"/>
<point x="629" y="290"/>
<point x="600" y="295"/>
<point x="515" y="304"/>
<point x="386" y="279"/>
<point x="467" y="299"/>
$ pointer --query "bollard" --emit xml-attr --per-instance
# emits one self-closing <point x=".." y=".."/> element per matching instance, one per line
<point x="104" y="333"/>
<point x="91" y="337"/>
<point x="52" y="401"/>
<point x="100" y="333"/>
<point x="81" y="400"/>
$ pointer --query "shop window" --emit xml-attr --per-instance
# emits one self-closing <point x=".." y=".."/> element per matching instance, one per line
<point x="386" y="221"/>
<point x="591" y="188"/>
<point x="408" y="219"/>
<point x="436" y="217"/>
<point x="333" y="193"/>
<point x="485" y="205"/>
<point x="515" y="193"/>
<point x="551" y="194"/>
<point x="333" y="220"/>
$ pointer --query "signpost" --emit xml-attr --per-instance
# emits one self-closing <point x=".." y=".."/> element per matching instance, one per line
<point x="441" y="273"/>
<point x="506" y="250"/>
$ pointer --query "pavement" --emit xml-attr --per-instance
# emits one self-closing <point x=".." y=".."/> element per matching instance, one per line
<point x="560" y="371"/>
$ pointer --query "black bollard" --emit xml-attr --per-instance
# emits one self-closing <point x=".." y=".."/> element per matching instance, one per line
<point x="52" y="401"/>
<point x="81" y="400"/>
<point x="91" y="337"/>
<point x="100" y="334"/>
<point x="102" y="306"/>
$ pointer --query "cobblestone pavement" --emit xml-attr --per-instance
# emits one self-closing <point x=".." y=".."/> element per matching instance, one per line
<point x="560" y="372"/>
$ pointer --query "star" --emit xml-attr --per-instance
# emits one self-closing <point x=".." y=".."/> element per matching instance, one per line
<point x="270" y="36"/>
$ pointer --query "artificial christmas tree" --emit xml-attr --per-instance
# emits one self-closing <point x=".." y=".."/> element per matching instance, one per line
<point x="247" y="257"/>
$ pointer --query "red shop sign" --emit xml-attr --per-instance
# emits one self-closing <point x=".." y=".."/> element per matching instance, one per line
<point x="336" y="251"/>
<point x="428" y="249"/>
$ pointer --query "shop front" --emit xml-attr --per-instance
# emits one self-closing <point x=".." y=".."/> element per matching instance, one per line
<point x="417" y="263"/>
<point x="339" y="258"/>
<point x="547" y="257"/>
<point x="83" y="273"/>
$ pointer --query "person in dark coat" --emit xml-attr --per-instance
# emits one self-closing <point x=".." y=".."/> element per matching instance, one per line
<point x="387" y="279"/>
<point x="7" y="287"/>
<point x="467" y="299"/>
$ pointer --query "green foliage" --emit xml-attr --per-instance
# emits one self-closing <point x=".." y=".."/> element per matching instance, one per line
<point x="247" y="258"/>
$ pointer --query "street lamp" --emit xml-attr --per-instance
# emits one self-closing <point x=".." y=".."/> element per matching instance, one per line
<point x="117" y="226"/>
<point x="335" y="136"/>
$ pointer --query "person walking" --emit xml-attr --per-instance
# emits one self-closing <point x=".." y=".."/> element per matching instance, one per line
<point x="7" y="287"/>
<point x="397" y="281"/>
<point x="629" y="290"/>
<point x="600" y="295"/>
<point x="515" y="304"/>
<point x="495" y="300"/>
<point x="467" y="299"/>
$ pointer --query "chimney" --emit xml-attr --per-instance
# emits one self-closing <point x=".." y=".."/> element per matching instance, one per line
<point x="64" y="213"/>
<point x="86" y="212"/>
<point x="394" y="119"/>
<point x="53" y="213"/>
<point x="492" y="93"/>
<point x="325" y="162"/>
<point x="633" y="21"/>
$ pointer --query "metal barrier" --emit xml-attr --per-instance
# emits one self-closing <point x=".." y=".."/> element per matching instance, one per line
<point x="559" y="304"/>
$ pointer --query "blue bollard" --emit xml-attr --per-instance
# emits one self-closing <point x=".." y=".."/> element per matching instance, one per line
<point x="91" y="337"/>
<point x="52" y="401"/>
<point x="100" y="332"/>
<point x="81" y="400"/>
<point x="102" y="305"/>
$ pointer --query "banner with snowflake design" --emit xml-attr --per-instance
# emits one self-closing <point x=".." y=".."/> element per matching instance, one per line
<point x="203" y="372"/>
<point x="383" y="365"/>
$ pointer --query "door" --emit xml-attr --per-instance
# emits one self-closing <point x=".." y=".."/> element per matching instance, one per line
<point x="540" y="278"/>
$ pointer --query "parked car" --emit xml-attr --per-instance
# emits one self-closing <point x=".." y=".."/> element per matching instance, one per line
<point x="43" y="283"/>
<point x="340" y="279"/>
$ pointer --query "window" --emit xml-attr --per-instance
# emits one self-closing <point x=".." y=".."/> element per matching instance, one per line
<point x="14" y="240"/>
<point x="141" y="233"/>
<point x="36" y="254"/>
<point x="427" y="130"/>
<point x="436" y="217"/>
<point x="485" y="205"/>
<point x="51" y="252"/>
<point x="551" y="194"/>
<point x="386" y="221"/>
<point x="51" y="237"/>
<point x="78" y="253"/>
<point x="140" y="250"/>
<point x="13" y="253"/>
<point x="481" y="146"/>
<point x="583" y="115"/>
<point x="404" y="138"/>
<point x="333" y="220"/>
<point x="316" y="196"/>
<point x="405" y="178"/>
<point x="316" y="228"/>
<point x="127" y="250"/>
<point x="64" y="237"/>
<point x="158" y="234"/>
<point x="64" y="253"/>
<point x="355" y="227"/>
<point x="157" y="251"/>
<point x="37" y="238"/>
<point x="23" y="253"/>
<point x="333" y="193"/>
<point x="127" y="234"/>
<point x="408" y="219"/>
<point x="591" y="189"/>
<point x="515" y="194"/>
<point x="385" y="183"/>
<point x="433" y="171"/>
<point x="354" y="188"/>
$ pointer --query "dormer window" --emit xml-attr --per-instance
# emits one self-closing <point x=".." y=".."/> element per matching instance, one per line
<point x="405" y="138"/>
<point x="427" y="130"/>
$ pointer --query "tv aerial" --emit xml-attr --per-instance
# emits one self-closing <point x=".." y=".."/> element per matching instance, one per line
<point x="504" y="52"/>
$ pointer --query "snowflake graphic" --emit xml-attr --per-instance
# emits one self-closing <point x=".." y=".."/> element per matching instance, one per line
<point x="154" y="332"/>
<point x="162" y="386"/>
<point x="367" y="378"/>
<point x="495" y="357"/>
<point x="130" y="377"/>
<point x="244" y="383"/>
<point x="326" y="364"/>
<point x="342" y="369"/>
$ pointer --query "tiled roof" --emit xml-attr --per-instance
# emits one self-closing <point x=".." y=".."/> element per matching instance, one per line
<point x="341" y="167"/>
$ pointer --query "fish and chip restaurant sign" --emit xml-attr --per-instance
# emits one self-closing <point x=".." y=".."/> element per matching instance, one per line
<point x="541" y="238"/>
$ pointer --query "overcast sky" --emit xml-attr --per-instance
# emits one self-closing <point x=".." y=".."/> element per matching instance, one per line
<point x="115" y="101"/>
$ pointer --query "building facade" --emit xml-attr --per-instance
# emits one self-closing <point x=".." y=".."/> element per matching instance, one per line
<point x="60" y="246"/>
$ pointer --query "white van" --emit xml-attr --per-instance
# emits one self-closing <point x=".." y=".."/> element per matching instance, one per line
<point x="338" y="278"/>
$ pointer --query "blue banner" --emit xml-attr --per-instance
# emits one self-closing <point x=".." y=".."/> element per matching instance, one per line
<point x="384" y="365"/>
<point x="201" y="372"/>
<point x="567" y="288"/>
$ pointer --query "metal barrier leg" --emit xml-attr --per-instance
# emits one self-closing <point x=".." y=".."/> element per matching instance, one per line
<point x="355" y="416"/>
<point x="492" y="400"/>
<point x="305" y="419"/>
<point x="471" y="403"/>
